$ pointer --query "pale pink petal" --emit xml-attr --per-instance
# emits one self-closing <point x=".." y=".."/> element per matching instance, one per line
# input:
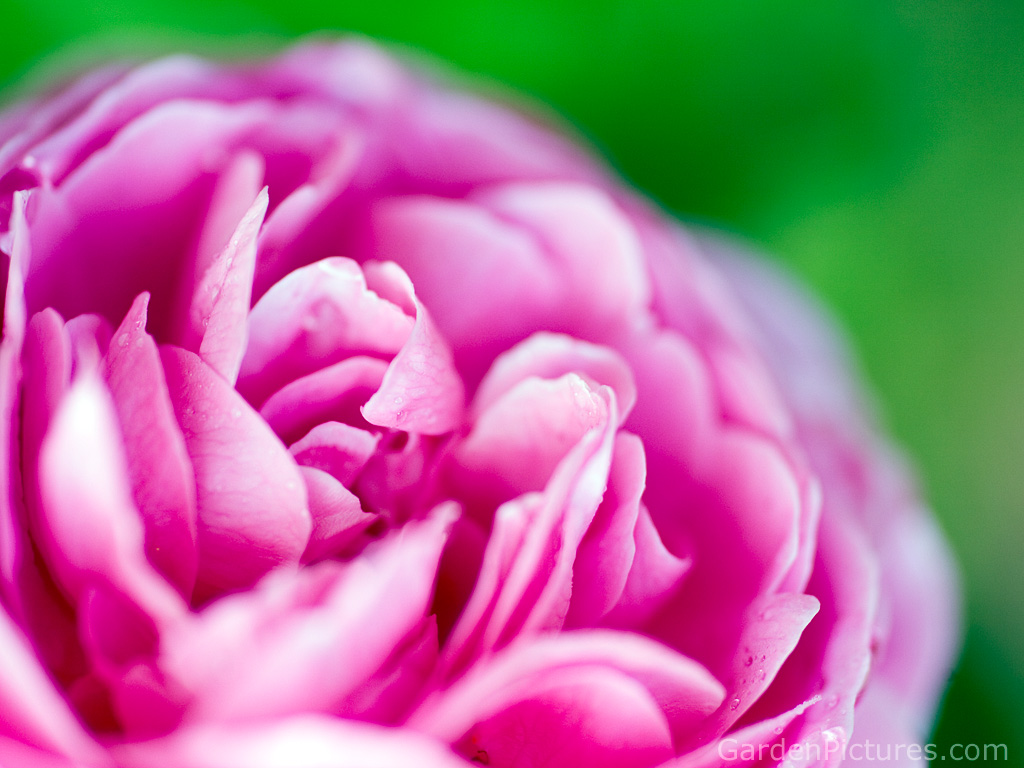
<point x="90" y="528"/>
<point x="526" y="576"/>
<point x="299" y="742"/>
<point x="452" y="250"/>
<point x="335" y="393"/>
<point x="516" y="444"/>
<point x="550" y="356"/>
<point x="315" y="317"/>
<point x="251" y="500"/>
<point x="606" y="552"/>
<point x="421" y="391"/>
<point x="591" y="245"/>
<point x="161" y="473"/>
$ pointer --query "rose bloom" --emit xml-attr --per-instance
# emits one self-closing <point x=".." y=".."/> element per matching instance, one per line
<point x="349" y="420"/>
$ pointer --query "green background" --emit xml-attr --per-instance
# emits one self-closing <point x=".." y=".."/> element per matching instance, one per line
<point x="876" y="147"/>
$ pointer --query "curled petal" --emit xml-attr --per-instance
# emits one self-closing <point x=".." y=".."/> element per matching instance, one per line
<point x="421" y="391"/>
<point x="335" y="393"/>
<point x="683" y="692"/>
<point x="317" y="316"/>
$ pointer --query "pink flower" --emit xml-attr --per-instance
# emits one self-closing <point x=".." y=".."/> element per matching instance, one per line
<point x="348" y="420"/>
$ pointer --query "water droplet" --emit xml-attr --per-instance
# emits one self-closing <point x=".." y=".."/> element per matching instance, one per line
<point x="122" y="340"/>
<point x="749" y="661"/>
<point x="734" y="704"/>
<point x="831" y="701"/>
<point x="777" y="729"/>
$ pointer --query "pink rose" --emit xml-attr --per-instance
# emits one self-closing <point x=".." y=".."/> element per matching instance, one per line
<point x="348" y="420"/>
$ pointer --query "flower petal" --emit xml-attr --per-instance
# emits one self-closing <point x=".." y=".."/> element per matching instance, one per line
<point x="251" y="500"/>
<point x="299" y="742"/>
<point x="161" y="473"/>
<point x="313" y="318"/>
<point x="421" y="391"/>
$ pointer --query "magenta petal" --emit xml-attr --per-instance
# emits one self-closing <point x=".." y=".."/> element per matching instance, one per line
<point x="338" y="449"/>
<point x="282" y="245"/>
<point x="251" y="500"/>
<point x="313" y="318"/>
<point x="31" y="709"/>
<point x="222" y="297"/>
<point x="421" y="391"/>
<point x="335" y="393"/>
<point x="298" y="642"/>
<point x="308" y="741"/>
<point x="90" y="524"/>
<point x="163" y="482"/>
<point x="337" y="515"/>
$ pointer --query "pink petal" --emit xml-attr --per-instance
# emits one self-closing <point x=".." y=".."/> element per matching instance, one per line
<point x="335" y="393"/>
<point x="516" y="444"/>
<point x="771" y="630"/>
<point x="421" y="391"/>
<point x="315" y="317"/>
<point x="337" y="515"/>
<point x="551" y="355"/>
<point x="588" y="717"/>
<point x="452" y="249"/>
<point x="605" y="555"/>
<point x="338" y="449"/>
<point x="14" y="319"/>
<point x="131" y="211"/>
<point x="90" y="527"/>
<point x="251" y="500"/>
<point x="284" y="242"/>
<point x="681" y="690"/>
<point x="653" y="578"/>
<point x="526" y="576"/>
<point x="216" y="295"/>
<point x="31" y="709"/>
<point x="592" y="246"/>
<point x="298" y="642"/>
<point x="300" y="742"/>
<point x="163" y="482"/>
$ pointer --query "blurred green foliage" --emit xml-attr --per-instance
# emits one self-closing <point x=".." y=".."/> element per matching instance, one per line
<point x="876" y="147"/>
